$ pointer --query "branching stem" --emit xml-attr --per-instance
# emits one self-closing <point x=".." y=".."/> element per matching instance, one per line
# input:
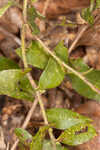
<point x="46" y="49"/>
<point x="38" y="94"/>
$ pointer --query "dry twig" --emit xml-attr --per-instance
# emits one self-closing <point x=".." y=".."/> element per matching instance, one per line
<point x="8" y="34"/>
<point x="78" y="36"/>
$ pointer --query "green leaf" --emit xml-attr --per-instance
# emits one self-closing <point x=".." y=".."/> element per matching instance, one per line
<point x="22" y="147"/>
<point x="87" y="15"/>
<point x="92" y="75"/>
<point x="61" y="51"/>
<point x="37" y="141"/>
<point x="54" y="73"/>
<point x="97" y="3"/>
<point x="82" y="88"/>
<point x="32" y="14"/>
<point x="79" y="65"/>
<point x="35" y="55"/>
<point x="24" y="136"/>
<point x="14" y="83"/>
<point x="47" y="145"/>
<point x="64" y="118"/>
<point x="52" y="76"/>
<point x="6" y="63"/>
<point x="33" y="0"/>
<point x="4" y="9"/>
<point x="77" y="134"/>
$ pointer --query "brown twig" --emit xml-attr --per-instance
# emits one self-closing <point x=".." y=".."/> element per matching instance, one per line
<point x="46" y="49"/>
<point x="8" y="34"/>
<point x="45" y="7"/>
<point x="38" y="94"/>
<point x="78" y="36"/>
<point x="34" y="86"/>
<point x="81" y="32"/>
<point x="27" y="119"/>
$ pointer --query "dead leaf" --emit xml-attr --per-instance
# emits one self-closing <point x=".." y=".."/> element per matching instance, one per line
<point x="58" y="7"/>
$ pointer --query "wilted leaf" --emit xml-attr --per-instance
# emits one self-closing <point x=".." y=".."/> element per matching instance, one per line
<point x="77" y="134"/>
<point x="6" y="63"/>
<point x="4" y="9"/>
<point x="14" y="83"/>
<point x="35" y="55"/>
<point x="47" y="145"/>
<point x="54" y="73"/>
<point x="24" y="136"/>
<point x="37" y="141"/>
<point x="64" y="118"/>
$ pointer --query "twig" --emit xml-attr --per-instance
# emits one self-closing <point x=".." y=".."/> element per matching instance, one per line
<point x="7" y="146"/>
<point x="45" y="7"/>
<point x="38" y="94"/>
<point x="8" y="34"/>
<point x="25" y="10"/>
<point x="46" y="49"/>
<point x="15" y="145"/>
<point x="82" y="30"/>
<point x="26" y="121"/>
<point x="78" y="36"/>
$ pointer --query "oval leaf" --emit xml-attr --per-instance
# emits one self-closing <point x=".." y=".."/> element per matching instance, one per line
<point x="91" y="75"/>
<point x="52" y="76"/>
<point x="79" y="65"/>
<point x="47" y="145"/>
<point x="6" y="63"/>
<point x="35" y="55"/>
<point x="77" y="134"/>
<point x="15" y="84"/>
<point x="64" y="118"/>
<point x="61" y="51"/>
<point x="24" y="136"/>
<point x="37" y="141"/>
<point x="82" y="88"/>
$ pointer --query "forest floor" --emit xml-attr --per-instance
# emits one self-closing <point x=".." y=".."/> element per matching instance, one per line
<point x="62" y="23"/>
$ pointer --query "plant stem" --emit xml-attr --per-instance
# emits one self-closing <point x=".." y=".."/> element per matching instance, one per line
<point x="78" y="36"/>
<point x="25" y="10"/>
<point x="46" y="49"/>
<point x="38" y="94"/>
<point x="26" y="121"/>
<point x="23" y="46"/>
